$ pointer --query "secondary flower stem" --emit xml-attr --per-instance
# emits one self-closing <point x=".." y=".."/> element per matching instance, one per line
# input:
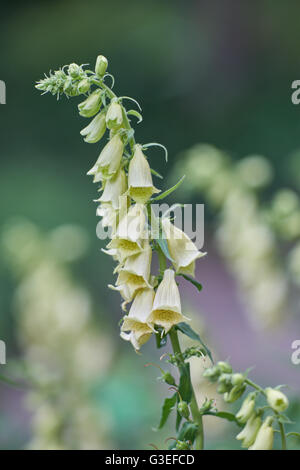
<point x="199" y="443"/>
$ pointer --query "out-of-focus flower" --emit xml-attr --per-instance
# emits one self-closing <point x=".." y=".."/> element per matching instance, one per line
<point x="249" y="432"/>
<point x="265" y="437"/>
<point x="246" y="409"/>
<point x="277" y="400"/>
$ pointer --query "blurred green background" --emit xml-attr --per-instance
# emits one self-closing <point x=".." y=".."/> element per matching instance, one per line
<point x="203" y="71"/>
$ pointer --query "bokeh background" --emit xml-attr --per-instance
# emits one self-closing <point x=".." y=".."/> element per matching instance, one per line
<point x="214" y="80"/>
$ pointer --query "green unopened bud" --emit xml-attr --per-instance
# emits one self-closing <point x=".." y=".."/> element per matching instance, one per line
<point x="237" y="379"/>
<point x="168" y="378"/>
<point x="182" y="445"/>
<point x="235" y="393"/>
<point x="91" y="105"/>
<point x="183" y="409"/>
<point x="212" y="373"/>
<point x="83" y="86"/>
<point x="265" y="436"/>
<point x="277" y="400"/>
<point x="246" y="409"/>
<point x="95" y="130"/>
<point x="225" y="384"/>
<point x="101" y="65"/>
<point x="224" y="367"/>
<point x="114" y="116"/>
<point x="74" y="70"/>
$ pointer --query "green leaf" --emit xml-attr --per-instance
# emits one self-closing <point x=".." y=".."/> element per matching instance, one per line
<point x="155" y="173"/>
<point x="185" y="388"/>
<point x="167" y="407"/>
<point x="169" y="191"/>
<point x="293" y="434"/>
<point x="133" y="112"/>
<point x="223" y="415"/>
<point x="192" y="281"/>
<point x="188" y="432"/>
<point x="162" y="242"/>
<point x="284" y="419"/>
<point x="178" y="421"/>
<point x="188" y="331"/>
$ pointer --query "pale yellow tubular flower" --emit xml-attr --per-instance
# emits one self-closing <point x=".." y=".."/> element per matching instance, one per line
<point x="95" y="130"/>
<point x="131" y="232"/>
<point x="132" y="338"/>
<point x="167" y="306"/>
<point x="135" y="274"/>
<point x="113" y="189"/>
<point x="265" y="436"/>
<point x="109" y="215"/>
<point x="249" y="432"/>
<point x="114" y="116"/>
<point x="277" y="400"/>
<point x="183" y="251"/>
<point x="109" y="160"/>
<point x="246" y="409"/>
<point x="136" y="321"/>
<point x="140" y="185"/>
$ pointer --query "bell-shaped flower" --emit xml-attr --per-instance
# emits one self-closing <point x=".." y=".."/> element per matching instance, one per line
<point x="109" y="217"/>
<point x="91" y="105"/>
<point x="131" y="232"/>
<point x="136" y="321"/>
<point x="277" y="400"/>
<point x="246" y="409"/>
<point x="265" y="436"/>
<point x="101" y="65"/>
<point x="249" y="432"/>
<point x="136" y="343"/>
<point x="166" y="310"/>
<point x="140" y="185"/>
<point x="114" y="188"/>
<point x="182" y="250"/>
<point x="109" y="160"/>
<point x="134" y="274"/>
<point x="95" y="130"/>
<point x="114" y="116"/>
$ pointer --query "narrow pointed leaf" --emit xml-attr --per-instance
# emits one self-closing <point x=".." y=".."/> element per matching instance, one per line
<point x="188" y="331"/>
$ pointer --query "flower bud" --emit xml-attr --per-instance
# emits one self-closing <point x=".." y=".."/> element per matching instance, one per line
<point x="101" y="65"/>
<point x="114" y="116"/>
<point x="168" y="378"/>
<point x="249" y="432"/>
<point x="224" y="367"/>
<point x="237" y="379"/>
<point x="225" y="384"/>
<point x="235" y="393"/>
<point x="182" y="445"/>
<point x="95" y="130"/>
<point x="212" y="373"/>
<point x="83" y="86"/>
<point x="277" y="400"/>
<point x="265" y="437"/>
<point x="74" y="70"/>
<point x="183" y="409"/>
<point x="246" y="409"/>
<point x="91" y="105"/>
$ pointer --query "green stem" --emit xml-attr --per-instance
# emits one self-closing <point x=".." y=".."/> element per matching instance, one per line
<point x="254" y="385"/>
<point x="111" y="95"/>
<point x="197" y="417"/>
<point x="283" y="437"/>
